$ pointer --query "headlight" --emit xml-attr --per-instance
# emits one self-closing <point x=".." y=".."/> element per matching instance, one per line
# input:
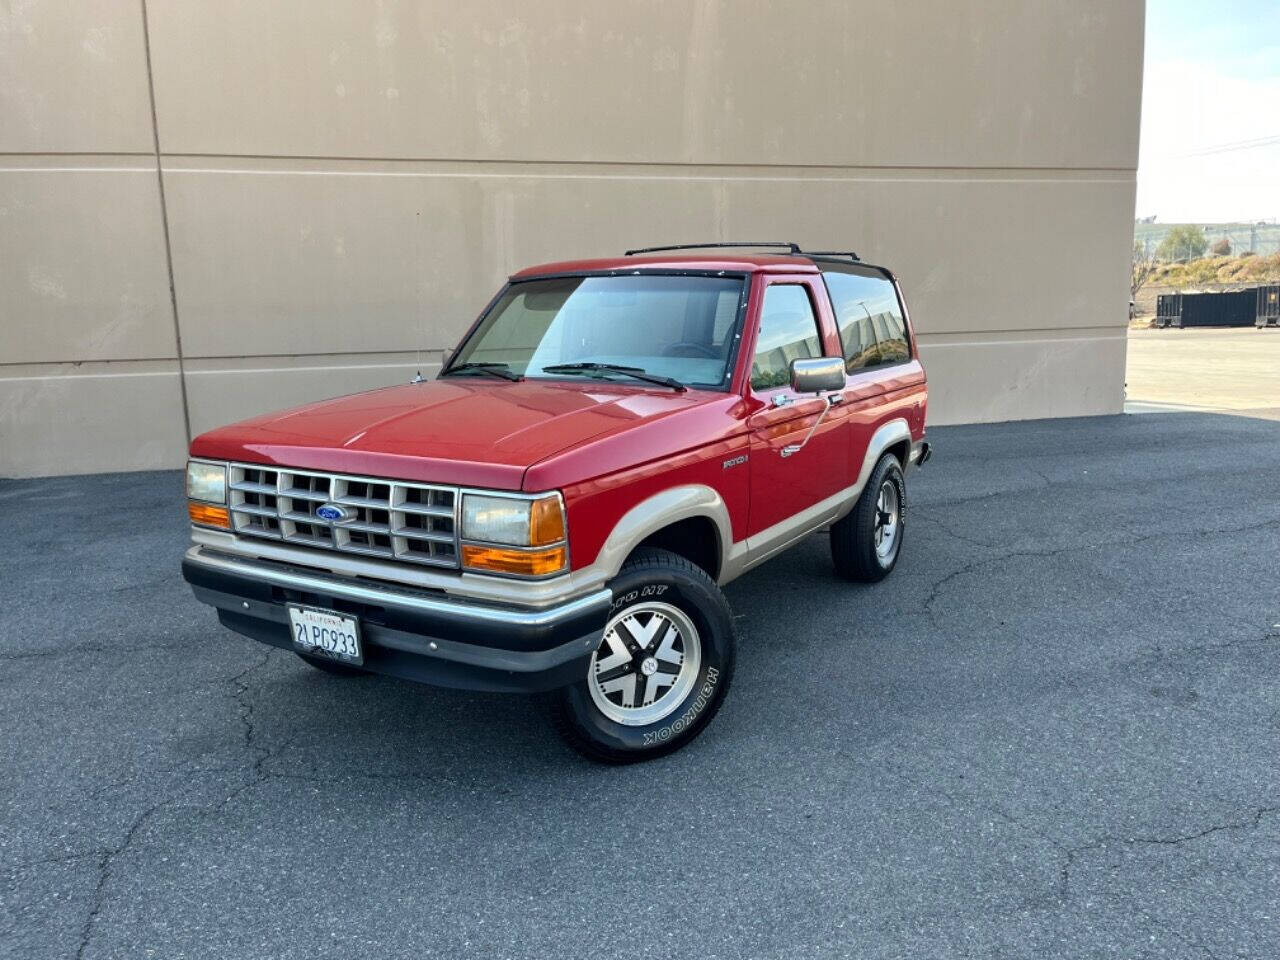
<point x="530" y="532"/>
<point x="520" y="523"/>
<point x="206" y="481"/>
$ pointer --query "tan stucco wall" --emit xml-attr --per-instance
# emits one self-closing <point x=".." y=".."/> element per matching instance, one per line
<point x="345" y="184"/>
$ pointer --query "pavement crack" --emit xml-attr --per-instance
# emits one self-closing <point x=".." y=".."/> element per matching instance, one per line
<point x="1073" y="854"/>
<point x="937" y="586"/>
<point x="1160" y="653"/>
<point x="107" y="856"/>
<point x="954" y="534"/>
<point x="59" y="858"/>
<point x="243" y="686"/>
<point x="144" y="585"/>
<point x="974" y="564"/>
<point x="258" y="771"/>
<point x="1250" y="822"/>
<point x="1177" y="935"/>
<point x="353" y="775"/>
<point x="249" y="736"/>
<point x="87" y="648"/>
<point x="103" y="789"/>
<point x="106" y="860"/>
<point x="1198" y="534"/>
<point x="962" y="802"/>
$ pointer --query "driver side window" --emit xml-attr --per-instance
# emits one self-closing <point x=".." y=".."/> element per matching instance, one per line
<point x="788" y="331"/>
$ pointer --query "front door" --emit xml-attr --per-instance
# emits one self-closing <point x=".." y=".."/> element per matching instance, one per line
<point x="784" y="480"/>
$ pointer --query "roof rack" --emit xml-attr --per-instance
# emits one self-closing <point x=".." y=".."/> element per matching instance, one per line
<point x="831" y="254"/>
<point x="792" y="249"/>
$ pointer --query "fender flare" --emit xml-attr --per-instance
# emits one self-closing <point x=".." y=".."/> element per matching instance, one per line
<point x="661" y="510"/>
<point x="886" y="435"/>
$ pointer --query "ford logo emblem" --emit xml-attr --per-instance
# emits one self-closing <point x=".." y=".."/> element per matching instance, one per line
<point x="331" y="512"/>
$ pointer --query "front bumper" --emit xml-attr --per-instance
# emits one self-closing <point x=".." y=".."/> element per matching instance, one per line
<point x="413" y="634"/>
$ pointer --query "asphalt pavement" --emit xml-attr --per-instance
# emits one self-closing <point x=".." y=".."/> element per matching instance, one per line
<point x="1052" y="732"/>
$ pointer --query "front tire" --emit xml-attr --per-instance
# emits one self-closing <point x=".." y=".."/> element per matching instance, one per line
<point x="662" y="668"/>
<point x="866" y="543"/>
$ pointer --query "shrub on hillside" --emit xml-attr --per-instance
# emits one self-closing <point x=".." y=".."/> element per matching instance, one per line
<point x="1207" y="271"/>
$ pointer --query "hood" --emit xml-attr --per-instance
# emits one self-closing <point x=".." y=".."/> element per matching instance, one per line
<point x="465" y="431"/>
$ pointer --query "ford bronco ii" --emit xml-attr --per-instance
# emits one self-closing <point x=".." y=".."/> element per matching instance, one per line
<point x="612" y="442"/>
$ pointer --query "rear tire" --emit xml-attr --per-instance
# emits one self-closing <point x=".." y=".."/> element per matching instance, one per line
<point x="866" y="543"/>
<point x="330" y="666"/>
<point x="662" y="668"/>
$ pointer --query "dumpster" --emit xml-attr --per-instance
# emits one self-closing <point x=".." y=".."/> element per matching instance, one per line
<point x="1268" y="314"/>
<point x="1235" y="308"/>
<point x="1169" y="310"/>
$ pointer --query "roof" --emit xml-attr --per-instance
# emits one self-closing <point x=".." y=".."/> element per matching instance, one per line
<point x="738" y="263"/>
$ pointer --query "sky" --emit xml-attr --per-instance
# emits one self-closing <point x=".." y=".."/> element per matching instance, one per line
<point x="1210" y="148"/>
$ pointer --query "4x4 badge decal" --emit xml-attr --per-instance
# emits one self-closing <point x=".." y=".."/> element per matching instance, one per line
<point x="735" y="461"/>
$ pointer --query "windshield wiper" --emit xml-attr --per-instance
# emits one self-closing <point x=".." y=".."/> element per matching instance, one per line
<point x="494" y="369"/>
<point x="638" y="373"/>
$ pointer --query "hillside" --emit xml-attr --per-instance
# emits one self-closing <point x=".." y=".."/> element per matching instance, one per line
<point x="1218" y="270"/>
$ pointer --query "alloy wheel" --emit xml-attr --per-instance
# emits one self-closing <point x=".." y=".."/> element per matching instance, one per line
<point x="646" y="664"/>
<point x="888" y="520"/>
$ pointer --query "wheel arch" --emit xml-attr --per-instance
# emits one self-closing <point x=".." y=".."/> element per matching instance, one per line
<point x="892" y="436"/>
<point x="678" y="519"/>
<point x="902" y="450"/>
<point x="694" y="538"/>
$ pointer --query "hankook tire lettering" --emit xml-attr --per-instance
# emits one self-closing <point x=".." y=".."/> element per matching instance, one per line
<point x="686" y="718"/>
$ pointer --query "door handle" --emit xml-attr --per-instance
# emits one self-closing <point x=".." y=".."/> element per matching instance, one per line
<point x="791" y="449"/>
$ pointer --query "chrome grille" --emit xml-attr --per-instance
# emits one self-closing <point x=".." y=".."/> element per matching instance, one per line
<point x="416" y="522"/>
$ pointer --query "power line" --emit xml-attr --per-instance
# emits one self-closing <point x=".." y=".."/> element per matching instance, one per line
<point x="1233" y="146"/>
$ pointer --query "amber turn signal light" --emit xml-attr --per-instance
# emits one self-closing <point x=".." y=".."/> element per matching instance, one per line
<point x="546" y="522"/>
<point x="525" y="563"/>
<point x="208" y="515"/>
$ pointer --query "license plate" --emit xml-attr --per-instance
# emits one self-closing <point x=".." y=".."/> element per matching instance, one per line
<point x="323" y="633"/>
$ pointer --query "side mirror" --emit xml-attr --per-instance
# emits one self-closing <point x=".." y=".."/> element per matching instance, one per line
<point x="817" y="374"/>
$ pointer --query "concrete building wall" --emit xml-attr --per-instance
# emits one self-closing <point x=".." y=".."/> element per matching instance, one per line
<point x="212" y="209"/>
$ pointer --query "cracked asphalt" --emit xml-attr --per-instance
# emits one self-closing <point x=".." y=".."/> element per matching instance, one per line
<point x="1053" y="732"/>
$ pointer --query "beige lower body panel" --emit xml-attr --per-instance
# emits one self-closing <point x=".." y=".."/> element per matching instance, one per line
<point x="756" y="549"/>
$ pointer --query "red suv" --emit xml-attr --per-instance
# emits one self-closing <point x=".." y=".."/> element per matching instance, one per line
<point x="612" y="442"/>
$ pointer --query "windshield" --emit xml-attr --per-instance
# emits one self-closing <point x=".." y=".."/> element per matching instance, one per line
<point x="683" y="327"/>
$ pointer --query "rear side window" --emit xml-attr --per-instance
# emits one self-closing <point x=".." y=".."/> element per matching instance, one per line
<point x="872" y="329"/>
<point x="788" y="331"/>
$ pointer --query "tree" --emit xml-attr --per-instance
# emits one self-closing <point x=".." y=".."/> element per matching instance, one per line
<point x="1183" y="242"/>
<point x="1144" y="264"/>
<point x="1221" y="248"/>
